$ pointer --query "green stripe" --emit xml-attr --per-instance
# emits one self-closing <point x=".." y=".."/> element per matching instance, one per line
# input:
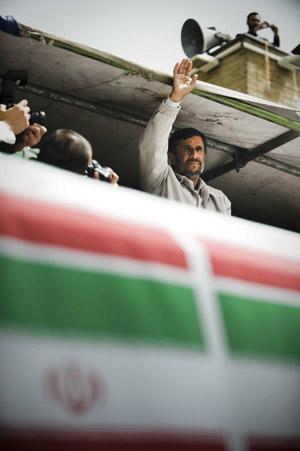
<point x="70" y="301"/>
<point x="261" y="328"/>
<point x="72" y="47"/>
<point x="254" y="110"/>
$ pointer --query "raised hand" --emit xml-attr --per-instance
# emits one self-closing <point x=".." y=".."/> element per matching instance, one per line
<point x="183" y="84"/>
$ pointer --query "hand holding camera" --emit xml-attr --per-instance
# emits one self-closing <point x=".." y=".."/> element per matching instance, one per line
<point x="28" y="127"/>
<point x="30" y="137"/>
<point x="264" y="24"/>
<point x="96" y="171"/>
<point x="17" y="117"/>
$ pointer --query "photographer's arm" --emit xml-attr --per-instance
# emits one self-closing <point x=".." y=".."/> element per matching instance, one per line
<point x="276" y="41"/>
<point x="260" y="26"/>
<point x="273" y="27"/>
<point x="17" y="117"/>
<point x="12" y="122"/>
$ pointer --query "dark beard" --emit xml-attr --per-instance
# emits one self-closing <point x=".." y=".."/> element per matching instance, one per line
<point x="193" y="172"/>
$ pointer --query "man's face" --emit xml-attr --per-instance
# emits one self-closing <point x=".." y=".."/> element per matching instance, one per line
<point x="189" y="157"/>
<point x="253" y="21"/>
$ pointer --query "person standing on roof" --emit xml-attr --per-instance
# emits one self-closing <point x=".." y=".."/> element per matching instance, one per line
<point x="186" y="150"/>
<point x="254" y="25"/>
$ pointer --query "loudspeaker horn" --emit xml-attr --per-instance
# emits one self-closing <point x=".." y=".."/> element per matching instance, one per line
<point x="195" y="41"/>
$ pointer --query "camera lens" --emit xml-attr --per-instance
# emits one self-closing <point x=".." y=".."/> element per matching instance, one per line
<point x="39" y="117"/>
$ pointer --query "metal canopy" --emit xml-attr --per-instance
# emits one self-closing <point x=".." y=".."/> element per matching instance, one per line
<point x="110" y="100"/>
<point x="243" y="156"/>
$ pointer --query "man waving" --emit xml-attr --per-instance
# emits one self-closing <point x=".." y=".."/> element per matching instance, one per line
<point x="170" y="166"/>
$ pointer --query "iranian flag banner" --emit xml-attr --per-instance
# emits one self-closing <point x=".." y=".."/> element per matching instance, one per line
<point x="130" y="322"/>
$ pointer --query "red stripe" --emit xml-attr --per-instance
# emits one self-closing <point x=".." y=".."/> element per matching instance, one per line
<point x="60" y="226"/>
<point x="253" y="266"/>
<point x="273" y="444"/>
<point x="36" y="440"/>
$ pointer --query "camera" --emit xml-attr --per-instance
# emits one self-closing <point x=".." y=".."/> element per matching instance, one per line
<point x="104" y="173"/>
<point x="38" y="117"/>
<point x="11" y="80"/>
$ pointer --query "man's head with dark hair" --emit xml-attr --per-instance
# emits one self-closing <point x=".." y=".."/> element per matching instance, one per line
<point x="186" y="152"/>
<point x="253" y="19"/>
<point x="184" y="133"/>
<point x="66" y="149"/>
<point x="251" y="14"/>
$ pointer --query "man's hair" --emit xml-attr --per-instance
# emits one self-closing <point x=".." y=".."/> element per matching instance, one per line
<point x="184" y="133"/>
<point x="66" y="149"/>
<point x="252" y="14"/>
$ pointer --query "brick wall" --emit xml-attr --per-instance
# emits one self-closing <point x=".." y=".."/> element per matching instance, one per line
<point x="245" y="71"/>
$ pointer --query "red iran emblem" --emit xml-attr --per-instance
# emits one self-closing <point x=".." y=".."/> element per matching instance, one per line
<point x="75" y="389"/>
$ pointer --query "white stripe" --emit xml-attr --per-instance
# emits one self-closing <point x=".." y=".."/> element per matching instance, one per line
<point x="88" y="261"/>
<point x="251" y="290"/>
<point x="149" y="388"/>
<point x="63" y="188"/>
